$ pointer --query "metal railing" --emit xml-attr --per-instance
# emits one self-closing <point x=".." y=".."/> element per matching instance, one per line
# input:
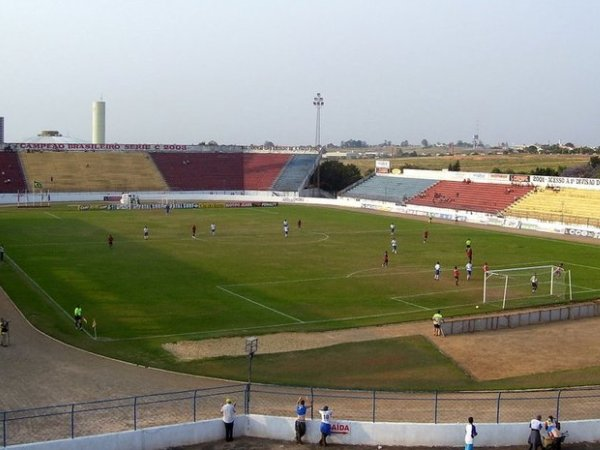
<point x="134" y="413"/>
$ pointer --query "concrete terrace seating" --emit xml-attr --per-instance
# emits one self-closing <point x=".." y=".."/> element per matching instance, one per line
<point x="220" y="171"/>
<point x="12" y="178"/>
<point x="559" y="205"/>
<point x="71" y="171"/>
<point x="386" y="188"/>
<point x="295" y="173"/>
<point x="200" y="171"/>
<point x="480" y="197"/>
<point x="262" y="169"/>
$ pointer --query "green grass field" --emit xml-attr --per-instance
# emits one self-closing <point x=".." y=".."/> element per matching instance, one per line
<point x="249" y="279"/>
<point x="518" y="163"/>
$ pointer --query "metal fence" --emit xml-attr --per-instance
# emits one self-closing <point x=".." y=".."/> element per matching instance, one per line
<point x="133" y="413"/>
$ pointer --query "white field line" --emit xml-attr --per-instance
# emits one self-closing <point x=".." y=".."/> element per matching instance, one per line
<point x="260" y="304"/>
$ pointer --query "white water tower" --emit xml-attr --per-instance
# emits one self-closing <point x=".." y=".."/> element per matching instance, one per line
<point x="98" y="123"/>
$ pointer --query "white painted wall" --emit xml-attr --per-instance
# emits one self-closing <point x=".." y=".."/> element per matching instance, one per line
<point x="282" y="428"/>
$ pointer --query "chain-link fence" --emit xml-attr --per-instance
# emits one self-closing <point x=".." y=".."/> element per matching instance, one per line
<point x="133" y="413"/>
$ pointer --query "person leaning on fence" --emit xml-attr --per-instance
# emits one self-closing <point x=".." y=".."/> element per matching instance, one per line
<point x="535" y="439"/>
<point x="300" y="425"/>
<point x="325" y="427"/>
<point x="228" y="411"/>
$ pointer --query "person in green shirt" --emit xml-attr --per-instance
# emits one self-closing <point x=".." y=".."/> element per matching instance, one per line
<point x="78" y="316"/>
<point x="437" y="319"/>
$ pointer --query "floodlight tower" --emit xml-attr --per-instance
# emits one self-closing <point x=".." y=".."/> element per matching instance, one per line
<point x="318" y="102"/>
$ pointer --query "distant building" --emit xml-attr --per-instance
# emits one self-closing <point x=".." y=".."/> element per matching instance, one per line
<point x="52" y="137"/>
<point x="1" y="130"/>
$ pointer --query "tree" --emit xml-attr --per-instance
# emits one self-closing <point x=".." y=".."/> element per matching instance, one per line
<point x="268" y="144"/>
<point x="335" y="176"/>
<point x="454" y="167"/>
<point x="425" y="143"/>
<point x="404" y="143"/>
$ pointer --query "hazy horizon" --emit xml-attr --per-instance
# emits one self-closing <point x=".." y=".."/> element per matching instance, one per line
<point x="246" y="71"/>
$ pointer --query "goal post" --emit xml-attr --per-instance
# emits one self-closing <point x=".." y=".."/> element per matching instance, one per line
<point x="504" y="285"/>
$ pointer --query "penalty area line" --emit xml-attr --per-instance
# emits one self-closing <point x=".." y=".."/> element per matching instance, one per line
<point x="260" y="304"/>
<point x="409" y="303"/>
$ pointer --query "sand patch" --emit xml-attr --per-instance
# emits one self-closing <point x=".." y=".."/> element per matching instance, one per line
<point x="484" y="355"/>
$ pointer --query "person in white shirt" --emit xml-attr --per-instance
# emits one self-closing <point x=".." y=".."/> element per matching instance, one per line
<point x="470" y="433"/>
<point x="325" y="428"/>
<point x="469" y="269"/>
<point x="534" y="283"/>
<point x="228" y="411"/>
<point x="535" y="439"/>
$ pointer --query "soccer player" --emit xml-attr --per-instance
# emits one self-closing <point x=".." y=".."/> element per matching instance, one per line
<point x="385" y="259"/>
<point x="392" y="228"/>
<point x="110" y="241"/>
<point x="286" y="229"/>
<point x="559" y="270"/>
<point x="469" y="253"/>
<point x="394" y="246"/>
<point x="468" y="243"/>
<point x="534" y="283"/>
<point x="425" y="236"/>
<point x="486" y="268"/>
<point x="213" y="229"/>
<point x="194" y="231"/>
<point x="456" y="275"/>
<point x="469" y="269"/>
<point x="436" y="271"/>
<point x="146" y="232"/>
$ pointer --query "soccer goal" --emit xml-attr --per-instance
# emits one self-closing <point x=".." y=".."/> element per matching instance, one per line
<point x="504" y="285"/>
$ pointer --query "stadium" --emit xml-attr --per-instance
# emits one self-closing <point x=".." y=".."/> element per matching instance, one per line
<point x="284" y="263"/>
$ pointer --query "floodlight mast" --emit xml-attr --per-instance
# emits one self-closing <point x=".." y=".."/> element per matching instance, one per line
<point x="318" y="102"/>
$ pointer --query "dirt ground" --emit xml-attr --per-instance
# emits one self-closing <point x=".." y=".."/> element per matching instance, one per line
<point x="578" y="346"/>
<point x="265" y="444"/>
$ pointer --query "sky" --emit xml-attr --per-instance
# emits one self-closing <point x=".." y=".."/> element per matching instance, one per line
<point x="246" y="71"/>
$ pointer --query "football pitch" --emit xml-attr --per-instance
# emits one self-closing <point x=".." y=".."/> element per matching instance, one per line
<point x="250" y="278"/>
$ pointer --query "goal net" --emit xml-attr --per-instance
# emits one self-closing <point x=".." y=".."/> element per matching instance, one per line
<point x="517" y="285"/>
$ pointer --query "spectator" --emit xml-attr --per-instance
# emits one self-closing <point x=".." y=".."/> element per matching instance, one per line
<point x="470" y="433"/>
<point x="325" y="428"/>
<point x="228" y="411"/>
<point x="300" y="425"/>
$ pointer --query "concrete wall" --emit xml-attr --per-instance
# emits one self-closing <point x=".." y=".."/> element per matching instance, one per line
<point x="282" y="428"/>
<point x="521" y="318"/>
<point x="147" y="439"/>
